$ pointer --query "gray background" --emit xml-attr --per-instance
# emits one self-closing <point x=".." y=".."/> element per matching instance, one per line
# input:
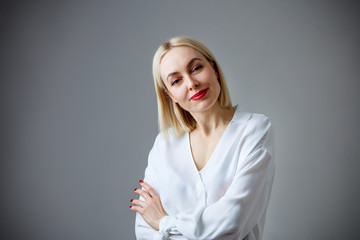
<point x="79" y="109"/>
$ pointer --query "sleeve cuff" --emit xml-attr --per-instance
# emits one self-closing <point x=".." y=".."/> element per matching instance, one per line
<point x="166" y="225"/>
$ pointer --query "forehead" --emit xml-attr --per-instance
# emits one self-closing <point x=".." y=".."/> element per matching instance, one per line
<point x="178" y="57"/>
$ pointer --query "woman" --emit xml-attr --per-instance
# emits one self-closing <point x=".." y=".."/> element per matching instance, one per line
<point x="210" y="171"/>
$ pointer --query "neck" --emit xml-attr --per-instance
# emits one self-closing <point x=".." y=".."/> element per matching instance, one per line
<point x="213" y="119"/>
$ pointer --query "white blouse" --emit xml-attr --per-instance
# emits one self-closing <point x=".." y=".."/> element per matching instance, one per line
<point x="227" y="199"/>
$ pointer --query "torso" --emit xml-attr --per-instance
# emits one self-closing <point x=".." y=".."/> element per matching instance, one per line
<point x="172" y="172"/>
<point x="202" y="145"/>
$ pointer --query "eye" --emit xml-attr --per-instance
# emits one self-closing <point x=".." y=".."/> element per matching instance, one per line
<point x="196" y="68"/>
<point x="175" y="81"/>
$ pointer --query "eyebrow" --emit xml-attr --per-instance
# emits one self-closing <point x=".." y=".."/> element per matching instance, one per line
<point x="190" y="62"/>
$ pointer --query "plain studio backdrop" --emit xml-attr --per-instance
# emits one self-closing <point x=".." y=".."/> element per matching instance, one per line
<point x="79" y="114"/>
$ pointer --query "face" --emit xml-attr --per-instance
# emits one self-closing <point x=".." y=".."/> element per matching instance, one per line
<point x="190" y="79"/>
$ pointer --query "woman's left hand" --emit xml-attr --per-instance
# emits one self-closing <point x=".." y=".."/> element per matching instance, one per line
<point x="150" y="208"/>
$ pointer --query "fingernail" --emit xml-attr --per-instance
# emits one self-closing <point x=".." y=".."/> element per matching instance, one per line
<point x="135" y="189"/>
<point x="131" y="200"/>
<point x="141" y="181"/>
<point x="130" y="206"/>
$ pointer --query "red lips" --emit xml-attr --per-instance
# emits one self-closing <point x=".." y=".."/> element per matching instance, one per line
<point x="199" y="95"/>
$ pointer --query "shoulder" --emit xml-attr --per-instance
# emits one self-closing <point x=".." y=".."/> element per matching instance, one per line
<point x="259" y="121"/>
<point x="166" y="144"/>
<point x="253" y="130"/>
<point x="254" y="136"/>
<point x="167" y="140"/>
<point x="251" y="121"/>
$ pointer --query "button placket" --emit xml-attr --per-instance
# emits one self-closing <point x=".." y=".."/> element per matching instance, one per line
<point x="201" y="191"/>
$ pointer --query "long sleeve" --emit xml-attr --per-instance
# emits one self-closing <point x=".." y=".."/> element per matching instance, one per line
<point x="245" y="201"/>
<point x="142" y="230"/>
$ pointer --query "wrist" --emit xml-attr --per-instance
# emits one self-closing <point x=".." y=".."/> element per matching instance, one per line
<point x="166" y="224"/>
<point x="157" y="226"/>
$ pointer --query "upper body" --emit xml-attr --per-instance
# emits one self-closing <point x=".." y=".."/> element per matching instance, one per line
<point x="211" y="169"/>
<point x="227" y="199"/>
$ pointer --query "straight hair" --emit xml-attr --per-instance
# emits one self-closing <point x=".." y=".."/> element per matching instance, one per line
<point x="170" y="114"/>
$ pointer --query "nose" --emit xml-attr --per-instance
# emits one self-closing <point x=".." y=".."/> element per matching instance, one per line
<point x="192" y="83"/>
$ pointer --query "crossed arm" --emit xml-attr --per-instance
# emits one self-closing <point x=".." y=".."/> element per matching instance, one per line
<point x="149" y="207"/>
<point x="237" y="212"/>
<point x="234" y="215"/>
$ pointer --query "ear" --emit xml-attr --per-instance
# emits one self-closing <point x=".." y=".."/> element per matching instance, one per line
<point x="167" y="93"/>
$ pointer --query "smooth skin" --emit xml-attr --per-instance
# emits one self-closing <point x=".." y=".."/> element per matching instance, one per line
<point x="185" y="72"/>
<point x="151" y="208"/>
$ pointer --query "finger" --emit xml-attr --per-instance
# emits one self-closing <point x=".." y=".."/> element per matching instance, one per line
<point x="138" y="202"/>
<point x="148" y="188"/>
<point x="136" y="209"/>
<point x="142" y="193"/>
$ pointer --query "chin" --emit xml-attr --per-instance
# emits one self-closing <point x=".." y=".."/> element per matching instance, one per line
<point x="203" y="106"/>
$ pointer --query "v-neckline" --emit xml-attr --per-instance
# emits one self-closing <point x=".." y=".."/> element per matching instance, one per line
<point x="219" y="143"/>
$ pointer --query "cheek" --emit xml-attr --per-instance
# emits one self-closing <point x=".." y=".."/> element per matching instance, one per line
<point x="178" y="95"/>
<point x="210" y="76"/>
<point x="216" y="86"/>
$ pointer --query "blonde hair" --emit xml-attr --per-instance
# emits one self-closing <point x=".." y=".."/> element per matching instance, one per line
<point x="170" y="114"/>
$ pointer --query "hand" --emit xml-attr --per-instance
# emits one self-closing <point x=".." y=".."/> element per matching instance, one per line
<point x="150" y="208"/>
